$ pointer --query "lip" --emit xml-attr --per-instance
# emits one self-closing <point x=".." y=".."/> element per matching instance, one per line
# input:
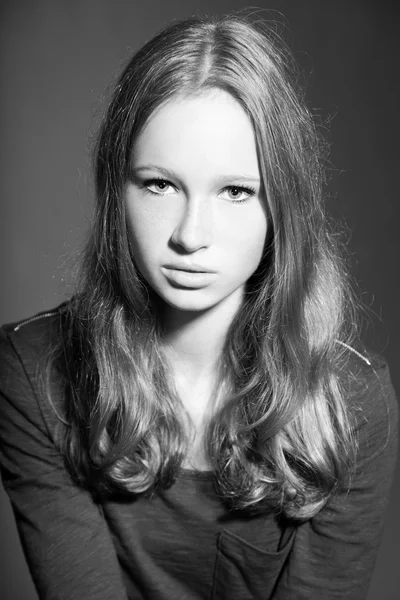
<point x="189" y="268"/>
<point x="188" y="278"/>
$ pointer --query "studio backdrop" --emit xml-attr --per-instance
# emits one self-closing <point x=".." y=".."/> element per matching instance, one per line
<point x="57" y="58"/>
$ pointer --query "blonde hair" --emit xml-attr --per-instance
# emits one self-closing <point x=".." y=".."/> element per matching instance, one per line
<point x="282" y="438"/>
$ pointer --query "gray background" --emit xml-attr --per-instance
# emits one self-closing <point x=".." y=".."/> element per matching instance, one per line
<point x="57" y="58"/>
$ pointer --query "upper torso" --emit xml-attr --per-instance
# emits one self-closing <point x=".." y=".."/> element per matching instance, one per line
<point x="182" y="542"/>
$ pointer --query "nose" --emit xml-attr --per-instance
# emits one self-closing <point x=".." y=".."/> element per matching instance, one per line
<point x="194" y="229"/>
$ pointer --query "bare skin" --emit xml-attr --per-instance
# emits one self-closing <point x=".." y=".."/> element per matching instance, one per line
<point x="198" y="224"/>
<point x="193" y="344"/>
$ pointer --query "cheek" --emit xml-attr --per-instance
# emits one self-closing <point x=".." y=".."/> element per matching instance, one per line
<point x="246" y="240"/>
<point x="145" y="229"/>
<point x="252" y="253"/>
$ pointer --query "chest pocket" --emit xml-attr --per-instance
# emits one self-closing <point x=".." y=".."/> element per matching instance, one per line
<point x="245" y="572"/>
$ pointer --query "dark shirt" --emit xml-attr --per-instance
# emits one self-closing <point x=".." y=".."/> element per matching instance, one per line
<point x="183" y="543"/>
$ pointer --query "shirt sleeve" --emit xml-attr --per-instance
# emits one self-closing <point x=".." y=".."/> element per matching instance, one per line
<point x="65" y="539"/>
<point x="334" y="553"/>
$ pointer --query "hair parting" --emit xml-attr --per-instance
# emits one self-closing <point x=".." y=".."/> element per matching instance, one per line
<point x="282" y="437"/>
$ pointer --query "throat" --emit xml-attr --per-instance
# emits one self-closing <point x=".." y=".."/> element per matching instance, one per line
<point x="193" y="347"/>
<point x="200" y="401"/>
<point x="198" y="337"/>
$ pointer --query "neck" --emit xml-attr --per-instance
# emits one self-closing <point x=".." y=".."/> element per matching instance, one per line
<point x="194" y="341"/>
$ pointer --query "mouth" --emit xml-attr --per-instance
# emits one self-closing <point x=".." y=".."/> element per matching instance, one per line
<point x="189" y="268"/>
<point x="193" y="277"/>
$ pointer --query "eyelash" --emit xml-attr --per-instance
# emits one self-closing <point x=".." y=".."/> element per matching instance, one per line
<point x="246" y="190"/>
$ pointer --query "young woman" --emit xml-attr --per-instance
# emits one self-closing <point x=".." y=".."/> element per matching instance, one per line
<point x="199" y="419"/>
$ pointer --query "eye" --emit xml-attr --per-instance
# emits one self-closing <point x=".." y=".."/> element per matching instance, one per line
<point x="237" y="193"/>
<point x="160" y="187"/>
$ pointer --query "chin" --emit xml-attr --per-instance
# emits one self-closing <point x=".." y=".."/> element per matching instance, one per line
<point x="189" y="300"/>
<point x="189" y="305"/>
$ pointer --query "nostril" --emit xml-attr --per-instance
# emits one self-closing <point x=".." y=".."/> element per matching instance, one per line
<point x="194" y="231"/>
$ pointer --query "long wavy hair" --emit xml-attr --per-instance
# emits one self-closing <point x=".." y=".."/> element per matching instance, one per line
<point x="282" y="437"/>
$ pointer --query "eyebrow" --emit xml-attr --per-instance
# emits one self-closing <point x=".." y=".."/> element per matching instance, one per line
<point x="172" y="175"/>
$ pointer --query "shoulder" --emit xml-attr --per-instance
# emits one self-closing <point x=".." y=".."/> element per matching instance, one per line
<point x="34" y="334"/>
<point x="372" y="403"/>
<point x="24" y="349"/>
<point x="366" y="381"/>
<point x="25" y="345"/>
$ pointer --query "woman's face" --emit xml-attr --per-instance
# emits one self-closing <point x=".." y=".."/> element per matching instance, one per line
<point x="196" y="216"/>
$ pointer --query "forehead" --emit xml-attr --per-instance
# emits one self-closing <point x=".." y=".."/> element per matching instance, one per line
<point x="211" y="130"/>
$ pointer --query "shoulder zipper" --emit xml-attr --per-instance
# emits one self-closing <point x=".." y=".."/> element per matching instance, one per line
<point x="42" y="316"/>
<point x="364" y="358"/>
